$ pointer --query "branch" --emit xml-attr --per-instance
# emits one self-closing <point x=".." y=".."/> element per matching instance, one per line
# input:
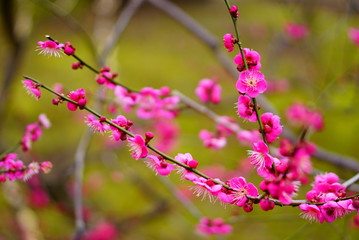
<point x="121" y="23"/>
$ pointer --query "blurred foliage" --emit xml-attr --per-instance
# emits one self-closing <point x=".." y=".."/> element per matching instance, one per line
<point x="322" y="71"/>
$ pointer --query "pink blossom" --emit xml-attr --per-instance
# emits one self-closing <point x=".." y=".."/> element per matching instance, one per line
<point x="69" y="50"/>
<point x="50" y="48"/>
<point x="166" y="135"/>
<point x="121" y="121"/>
<point x="296" y="31"/>
<point x="247" y="138"/>
<point x="206" y="187"/>
<point x="245" y="108"/>
<point x="234" y="11"/>
<point x="79" y="97"/>
<point x="209" y="91"/>
<point x="32" y="88"/>
<point x="188" y="160"/>
<point x="137" y="147"/>
<point x="149" y="103"/>
<point x="106" y="78"/>
<point x="240" y="190"/>
<point x="97" y="124"/>
<point x="271" y="126"/>
<point x="162" y="167"/>
<point x="102" y="231"/>
<point x="251" y="82"/>
<point x="44" y="121"/>
<point x="77" y="65"/>
<point x="252" y="58"/>
<point x="333" y="210"/>
<point x="228" y="41"/>
<point x="282" y="189"/>
<point x="32" y="169"/>
<point x="353" y="34"/>
<point x="209" y="227"/>
<point x="299" y="114"/>
<point x="46" y="166"/>
<point x="168" y="107"/>
<point x="311" y="213"/>
<point x="211" y="140"/>
<point x="266" y="204"/>
<point x="260" y="158"/>
<point x="125" y="98"/>
<point x="227" y="126"/>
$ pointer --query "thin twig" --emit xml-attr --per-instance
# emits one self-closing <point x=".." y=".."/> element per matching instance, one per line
<point x="121" y="23"/>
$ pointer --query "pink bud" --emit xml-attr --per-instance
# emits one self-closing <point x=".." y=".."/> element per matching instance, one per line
<point x="248" y="207"/>
<point x="266" y="204"/>
<point x="192" y="163"/>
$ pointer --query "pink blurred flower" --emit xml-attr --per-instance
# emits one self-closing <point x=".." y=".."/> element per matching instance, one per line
<point x="234" y="11"/>
<point x="247" y="138"/>
<point x="50" y="48"/>
<point x="32" y="88"/>
<point x="102" y="231"/>
<point x="353" y="34"/>
<point x="209" y="227"/>
<point x="296" y="31"/>
<point x="166" y="135"/>
<point x="208" y="91"/>
<point x="271" y="126"/>
<point x="212" y="140"/>
<point x="251" y="82"/>
<point x="299" y="114"/>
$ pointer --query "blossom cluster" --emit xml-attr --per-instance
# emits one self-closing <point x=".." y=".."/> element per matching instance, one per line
<point x="11" y="168"/>
<point x="329" y="192"/>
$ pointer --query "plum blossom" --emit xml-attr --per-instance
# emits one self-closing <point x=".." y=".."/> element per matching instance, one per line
<point x="261" y="159"/>
<point x="97" y="124"/>
<point x="245" y="108"/>
<point x="211" y="140"/>
<point x="188" y="160"/>
<point x="32" y="88"/>
<point x="121" y="121"/>
<point x="228" y="41"/>
<point x="209" y="227"/>
<point x="125" y="98"/>
<point x="299" y="114"/>
<point x="209" y="91"/>
<point x="69" y="50"/>
<point x="252" y="58"/>
<point x="105" y="77"/>
<point x="77" y="96"/>
<point x="251" y="82"/>
<point x="162" y="167"/>
<point x="206" y="187"/>
<point x="137" y="147"/>
<point x="233" y="10"/>
<point x="311" y="213"/>
<point x="50" y="48"/>
<point x="296" y="31"/>
<point x="240" y="191"/>
<point x="271" y="126"/>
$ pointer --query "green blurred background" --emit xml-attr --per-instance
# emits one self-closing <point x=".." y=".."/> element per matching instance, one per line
<point x="154" y="50"/>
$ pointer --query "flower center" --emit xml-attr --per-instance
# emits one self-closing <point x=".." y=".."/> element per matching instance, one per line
<point x="251" y="82"/>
